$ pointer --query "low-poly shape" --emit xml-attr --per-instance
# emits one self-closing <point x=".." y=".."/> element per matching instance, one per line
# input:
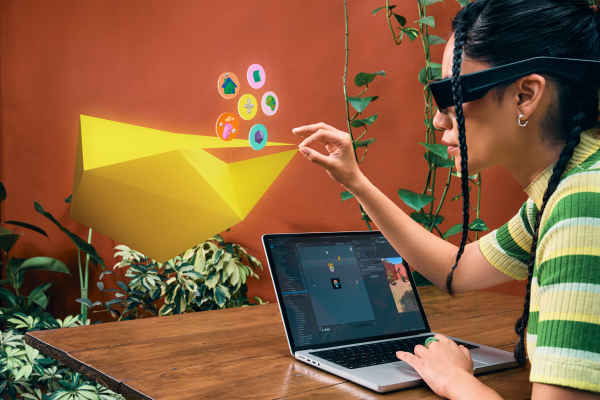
<point x="161" y="193"/>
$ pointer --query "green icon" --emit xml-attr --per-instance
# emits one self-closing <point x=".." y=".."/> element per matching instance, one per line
<point x="229" y="86"/>
<point x="271" y="102"/>
<point x="256" y="76"/>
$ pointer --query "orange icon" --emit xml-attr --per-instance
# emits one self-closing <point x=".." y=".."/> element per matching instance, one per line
<point x="227" y="126"/>
<point x="228" y="85"/>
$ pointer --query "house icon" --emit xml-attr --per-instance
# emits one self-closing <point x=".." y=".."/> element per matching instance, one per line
<point x="229" y="86"/>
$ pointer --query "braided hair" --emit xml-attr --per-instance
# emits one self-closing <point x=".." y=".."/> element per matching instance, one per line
<point x="501" y="32"/>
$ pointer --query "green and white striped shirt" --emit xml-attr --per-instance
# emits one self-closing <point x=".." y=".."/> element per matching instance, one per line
<point x="563" y="335"/>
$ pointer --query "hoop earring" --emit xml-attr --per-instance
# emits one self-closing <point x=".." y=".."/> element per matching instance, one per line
<point x="520" y="121"/>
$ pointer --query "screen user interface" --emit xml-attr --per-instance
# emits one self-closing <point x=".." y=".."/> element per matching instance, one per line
<point x="341" y="288"/>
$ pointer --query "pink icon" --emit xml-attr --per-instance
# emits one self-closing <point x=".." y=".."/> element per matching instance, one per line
<point x="227" y="130"/>
<point x="256" y="76"/>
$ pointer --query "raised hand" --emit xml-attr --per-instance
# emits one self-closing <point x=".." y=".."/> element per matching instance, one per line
<point x="338" y="159"/>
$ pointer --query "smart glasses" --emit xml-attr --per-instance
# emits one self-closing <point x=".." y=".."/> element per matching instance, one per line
<point x="477" y="84"/>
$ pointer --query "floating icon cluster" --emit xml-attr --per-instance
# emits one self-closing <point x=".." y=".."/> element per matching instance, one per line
<point x="229" y="87"/>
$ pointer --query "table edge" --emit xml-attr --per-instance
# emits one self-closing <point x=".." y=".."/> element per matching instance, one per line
<point x="79" y="366"/>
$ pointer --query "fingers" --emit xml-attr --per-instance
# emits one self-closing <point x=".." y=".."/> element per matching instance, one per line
<point x="315" y="156"/>
<point x="442" y="338"/>
<point x="410" y="359"/>
<point x="420" y="350"/>
<point x="306" y="130"/>
<point x="324" y="136"/>
<point x="466" y="352"/>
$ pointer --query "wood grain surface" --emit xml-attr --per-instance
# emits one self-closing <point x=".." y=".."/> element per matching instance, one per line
<point x="243" y="354"/>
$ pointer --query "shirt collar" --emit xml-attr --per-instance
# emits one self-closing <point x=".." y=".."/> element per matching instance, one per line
<point x="588" y="145"/>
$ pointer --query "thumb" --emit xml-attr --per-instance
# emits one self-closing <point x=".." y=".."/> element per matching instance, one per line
<point x="315" y="156"/>
<point x="465" y="351"/>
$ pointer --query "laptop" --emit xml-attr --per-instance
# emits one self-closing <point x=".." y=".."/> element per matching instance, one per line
<point x="348" y="302"/>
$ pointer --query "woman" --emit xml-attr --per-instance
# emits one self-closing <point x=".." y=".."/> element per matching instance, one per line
<point x="541" y="125"/>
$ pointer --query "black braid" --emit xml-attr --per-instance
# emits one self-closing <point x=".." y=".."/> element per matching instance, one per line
<point x="457" y="96"/>
<point x="557" y="172"/>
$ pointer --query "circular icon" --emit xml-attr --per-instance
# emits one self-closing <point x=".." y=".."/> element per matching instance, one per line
<point x="227" y="126"/>
<point x="228" y="85"/>
<point x="269" y="103"/>
<point x="256" y="76"/>
<point x="247" y="106"/>
<point x="258" y="136"/>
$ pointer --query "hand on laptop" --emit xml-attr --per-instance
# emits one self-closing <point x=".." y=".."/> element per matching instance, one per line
<point x="446" y="367"/>
<point x="339" y="160"/>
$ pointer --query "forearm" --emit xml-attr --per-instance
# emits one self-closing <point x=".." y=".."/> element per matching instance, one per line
<point x="467" y="387"/>
<point x="429" y="254"/>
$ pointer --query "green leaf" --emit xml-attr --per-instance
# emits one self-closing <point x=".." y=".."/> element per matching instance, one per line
<point x="221" y="295"/>
<point x="438" y="161"/>
<point x="45" y="264"/>
<point x="364" y="143"/>
<point x="452" y="231"/>
<point x="38" y="295"/>
<point x="416" y="201"/>
<point x="69" y="198"/>
<point x="2" y="192"/>
<point x="360" y="103"/>
<point x="87" y="302"/>
<point x="429" y="21"/>
<point x="401" y="20"/>
<point x="375" y="11"/>
<point x="427" y="3"/>
<point x="464" y="3"/>
<point x="27" y="226"/>
<point x="433" y="40"/>
<point x="471" y="177"/>
<point x="12" y="272"/>
<point x="478" y="225"/>
<point x="79" y="242"/>
<point x="435" y="72"/>
<point x="346" y="195"/>
<point x="7" y="239"/>
<point x="412" y="33"/>
<point x="357" y="123"/>
<point x="212" y="280"/>
<point x="438" y="149"/>
<point x="427" y="220"/>
<point x="9" y="297"/>
<point x="364" y="78"/>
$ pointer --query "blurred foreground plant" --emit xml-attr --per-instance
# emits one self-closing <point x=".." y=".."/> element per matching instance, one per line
<point x="211" y="275"/>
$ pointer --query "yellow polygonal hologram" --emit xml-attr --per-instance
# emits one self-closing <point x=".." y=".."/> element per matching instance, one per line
<point x="160" y="192"/>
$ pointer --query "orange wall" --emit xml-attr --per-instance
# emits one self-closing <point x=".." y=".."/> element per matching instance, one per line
<point x="155" y="63"/>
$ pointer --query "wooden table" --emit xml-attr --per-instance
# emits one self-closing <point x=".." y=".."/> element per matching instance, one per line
<point x="242" y="353"/>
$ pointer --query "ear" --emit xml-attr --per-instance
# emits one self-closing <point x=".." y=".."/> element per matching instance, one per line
<point x="529" y="93"/>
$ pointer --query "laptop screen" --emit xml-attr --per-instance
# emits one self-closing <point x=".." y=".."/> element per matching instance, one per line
<point x="338" y="288"/>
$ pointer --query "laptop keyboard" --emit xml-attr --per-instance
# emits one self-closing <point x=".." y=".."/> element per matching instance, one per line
<point x="367" y="355"/>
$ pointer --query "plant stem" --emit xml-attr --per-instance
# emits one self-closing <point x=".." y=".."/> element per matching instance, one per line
<point x="429" y="134"/>
<point x="363" y="213"/>
<point x="82" y="292"/>
<point x="445" y="193"/>
<point x="388" y="16"/>
<point x="345" y="77"/>
<point x="84" y="313"/>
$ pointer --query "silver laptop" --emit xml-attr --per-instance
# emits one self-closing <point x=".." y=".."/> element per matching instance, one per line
<point x="348" y="303"/>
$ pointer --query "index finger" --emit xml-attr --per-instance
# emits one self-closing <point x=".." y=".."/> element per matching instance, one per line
<point x="410" y="359"/>
<point x="312" y="128"/>
<point x="442" y="338"/>
<point x="324" y="136"/>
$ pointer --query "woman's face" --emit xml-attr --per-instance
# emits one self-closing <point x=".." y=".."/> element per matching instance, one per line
<point x="490" y="121"/>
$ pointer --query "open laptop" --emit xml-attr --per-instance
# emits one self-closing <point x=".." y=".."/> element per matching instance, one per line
<point x="348" y="303"/>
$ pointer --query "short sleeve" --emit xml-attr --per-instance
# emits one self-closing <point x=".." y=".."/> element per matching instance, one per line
<point x="508" y="247"/>
<point x="567" y="347"/>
